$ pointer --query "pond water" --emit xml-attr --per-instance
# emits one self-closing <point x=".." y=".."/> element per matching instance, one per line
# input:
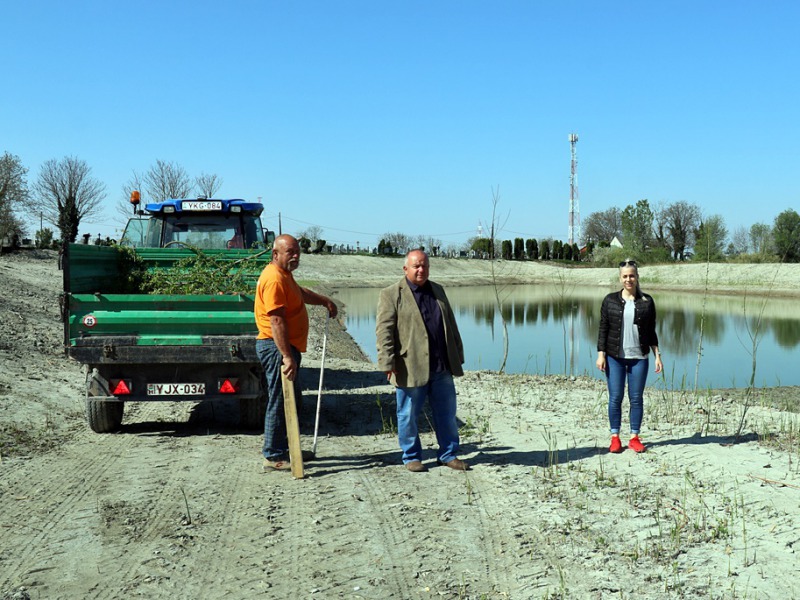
<point x="553" y="330"/>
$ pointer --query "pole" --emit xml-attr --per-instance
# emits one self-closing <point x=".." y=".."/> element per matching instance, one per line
<point x="319" y="393"/>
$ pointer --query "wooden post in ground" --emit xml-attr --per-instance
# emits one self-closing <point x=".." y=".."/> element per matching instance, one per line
<point x="292" y="428"/>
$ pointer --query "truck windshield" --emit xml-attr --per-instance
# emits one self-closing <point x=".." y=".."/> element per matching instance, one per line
<point x="214" y="232"/>
<point x="205" y="231"/>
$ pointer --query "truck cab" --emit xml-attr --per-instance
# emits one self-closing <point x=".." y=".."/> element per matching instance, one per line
<point x="203" y="223"/>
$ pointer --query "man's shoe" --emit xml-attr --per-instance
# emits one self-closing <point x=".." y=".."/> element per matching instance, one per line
<point x="416" y="466"/>
<point x="616" y="445"/>
<point x="456" y="463"/>
<point x="636" y="444"/>
<point x="276" y="465"/>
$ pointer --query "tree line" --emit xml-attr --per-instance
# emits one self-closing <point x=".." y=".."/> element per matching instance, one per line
<point x="667" y="232"/>
<point x="65" y="194"/>
<point x="680" y="231"/>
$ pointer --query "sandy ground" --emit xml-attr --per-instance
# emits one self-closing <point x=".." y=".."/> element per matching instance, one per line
<point x="175" y="505"/>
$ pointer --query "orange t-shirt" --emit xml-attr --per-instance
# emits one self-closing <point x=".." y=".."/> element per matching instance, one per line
<point x="277" y="289"/>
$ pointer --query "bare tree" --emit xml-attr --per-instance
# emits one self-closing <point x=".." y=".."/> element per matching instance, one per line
<point x="13" y="193"/>
<point x="207" y="184"/>
<point x="66" y="194"/>
<point x="602" y="226"/>
<point x="400" y="242"/>
<point x="761" y="238"/>
<point x="312" y="233"/>
<point x="661" y="238"/>
<point x="740" y="241"/>
<point x="165" y="180"/>
<point x="682" y="219"/>
<point x="431" y="245"/>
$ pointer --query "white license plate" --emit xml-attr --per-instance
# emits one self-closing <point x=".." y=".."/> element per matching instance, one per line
<point x="198" y="205"/>
<point x="176" y="389"/>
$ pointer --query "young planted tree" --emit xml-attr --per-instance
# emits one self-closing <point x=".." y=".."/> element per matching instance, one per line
<point x="496" y="286"/>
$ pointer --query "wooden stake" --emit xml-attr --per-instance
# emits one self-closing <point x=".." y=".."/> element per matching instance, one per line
<point x="292" y="428"/>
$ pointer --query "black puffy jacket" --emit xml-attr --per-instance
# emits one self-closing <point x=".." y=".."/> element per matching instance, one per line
<point x="609" y="339"/>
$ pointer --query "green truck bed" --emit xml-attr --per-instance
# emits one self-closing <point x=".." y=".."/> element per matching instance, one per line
<point x="145" y="339"/>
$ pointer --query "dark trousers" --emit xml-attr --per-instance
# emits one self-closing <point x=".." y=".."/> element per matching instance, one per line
<point x="276" y="444"/>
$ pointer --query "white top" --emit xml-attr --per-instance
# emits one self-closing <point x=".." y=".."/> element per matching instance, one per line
<point x="630" y="332"/>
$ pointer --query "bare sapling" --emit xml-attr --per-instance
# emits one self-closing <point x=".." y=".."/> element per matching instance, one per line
<point x="496" y="287"/>
<point x="754" y="332"/>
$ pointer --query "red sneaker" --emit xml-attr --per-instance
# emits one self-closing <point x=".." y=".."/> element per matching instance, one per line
<point x="616" y="445"/>
<point x="636" y="444"/>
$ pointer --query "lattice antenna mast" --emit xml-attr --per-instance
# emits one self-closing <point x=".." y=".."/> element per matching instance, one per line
<point x="574" y="205"/>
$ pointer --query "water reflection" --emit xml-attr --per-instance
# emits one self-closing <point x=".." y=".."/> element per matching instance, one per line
<point x="553" y="329"/>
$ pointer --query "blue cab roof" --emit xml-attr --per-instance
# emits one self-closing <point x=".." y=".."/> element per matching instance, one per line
<point x="203" y="205"/>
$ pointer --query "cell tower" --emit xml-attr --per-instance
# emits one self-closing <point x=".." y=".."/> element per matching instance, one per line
<point x="574" y="205"/>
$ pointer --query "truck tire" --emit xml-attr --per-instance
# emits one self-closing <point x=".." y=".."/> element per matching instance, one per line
<point x="104" y="417"/>
<point x="252" y="412"/>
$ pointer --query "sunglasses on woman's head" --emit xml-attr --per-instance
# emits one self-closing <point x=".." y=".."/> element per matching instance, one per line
<point x="628" y="263"/>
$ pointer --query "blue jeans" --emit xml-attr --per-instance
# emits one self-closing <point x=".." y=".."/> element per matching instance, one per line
<point x="617" y="371"/>
<point x="276" y="443"/>
<point x="441" y="393"/>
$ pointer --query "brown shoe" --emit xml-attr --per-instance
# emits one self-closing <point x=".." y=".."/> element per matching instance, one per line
<point x="416" y="466"/>
<point x="456" y="463"/>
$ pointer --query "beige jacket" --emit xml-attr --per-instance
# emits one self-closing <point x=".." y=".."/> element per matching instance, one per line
<point x="403" y="340"/>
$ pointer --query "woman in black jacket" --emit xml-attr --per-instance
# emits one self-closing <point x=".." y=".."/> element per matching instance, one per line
<point x="627" y="334"/>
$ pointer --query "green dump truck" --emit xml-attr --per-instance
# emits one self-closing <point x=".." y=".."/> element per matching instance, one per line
<point x="138" y="346"/>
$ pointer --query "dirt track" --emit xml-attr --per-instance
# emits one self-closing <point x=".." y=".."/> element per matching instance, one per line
<point x="175" y="505"/>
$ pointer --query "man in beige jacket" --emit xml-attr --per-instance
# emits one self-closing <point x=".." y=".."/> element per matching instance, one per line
<point x="420" y="350"/>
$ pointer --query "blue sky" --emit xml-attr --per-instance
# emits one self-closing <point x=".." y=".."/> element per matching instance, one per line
<point x="368" y="117"/>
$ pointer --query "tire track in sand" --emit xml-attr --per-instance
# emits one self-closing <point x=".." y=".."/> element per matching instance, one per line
<point x="64" y="501"/>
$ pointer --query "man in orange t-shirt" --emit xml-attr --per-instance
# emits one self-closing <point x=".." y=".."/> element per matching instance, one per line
<point x="282" y="320"/>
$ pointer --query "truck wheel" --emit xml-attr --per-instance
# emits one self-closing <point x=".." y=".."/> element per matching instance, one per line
<point x="252" y="412"/>
<point x="104" y="417"/>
